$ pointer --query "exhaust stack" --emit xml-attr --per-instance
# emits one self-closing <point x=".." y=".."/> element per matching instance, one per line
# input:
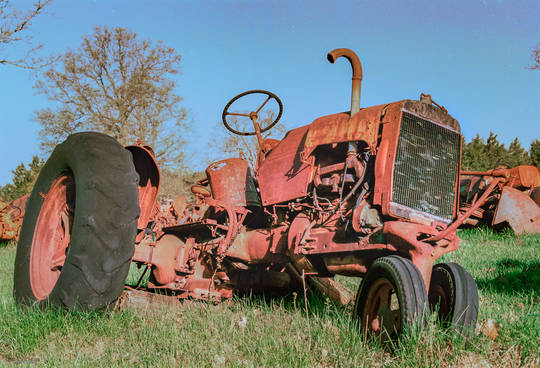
<point x="356" y="77"/>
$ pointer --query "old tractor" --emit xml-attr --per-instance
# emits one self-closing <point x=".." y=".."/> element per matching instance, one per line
<point x="507" y="196"/>
<point x="371" y="193"/>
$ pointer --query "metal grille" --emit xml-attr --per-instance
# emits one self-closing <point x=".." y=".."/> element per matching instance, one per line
<point x="426" y="166"/>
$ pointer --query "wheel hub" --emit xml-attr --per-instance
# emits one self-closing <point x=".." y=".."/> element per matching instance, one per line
<point x="52" y="236"/>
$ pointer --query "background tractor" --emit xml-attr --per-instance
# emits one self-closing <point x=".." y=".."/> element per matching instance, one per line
<point x="371" y="193"/>
<point x="11" y="217"/>
<point x="511" y="196"/>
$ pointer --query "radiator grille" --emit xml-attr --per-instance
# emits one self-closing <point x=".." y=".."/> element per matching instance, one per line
<point x="425" y="170"/>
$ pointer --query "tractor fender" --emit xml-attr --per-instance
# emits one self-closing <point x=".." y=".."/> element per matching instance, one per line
<point x="149" y="180"/>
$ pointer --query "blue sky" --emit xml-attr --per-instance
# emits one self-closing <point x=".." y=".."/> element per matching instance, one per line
<point x="471" y="56"/>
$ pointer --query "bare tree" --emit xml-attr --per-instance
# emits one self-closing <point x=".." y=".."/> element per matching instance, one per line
<point x="14" y="26"/>
<point x="247" y="147"/>
<point x="535" y="56"/>
<point x="119" y="85"/>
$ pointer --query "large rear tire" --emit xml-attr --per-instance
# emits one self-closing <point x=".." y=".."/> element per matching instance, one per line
<point x="78" y="233"/>
<point x="391" y="298"/>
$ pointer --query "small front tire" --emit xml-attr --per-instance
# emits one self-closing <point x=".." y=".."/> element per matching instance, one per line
<point x="391" y="298"/>
<point x="454" y="295"/>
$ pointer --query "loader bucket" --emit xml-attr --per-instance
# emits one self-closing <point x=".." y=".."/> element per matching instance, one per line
<point x="519" y="211"/>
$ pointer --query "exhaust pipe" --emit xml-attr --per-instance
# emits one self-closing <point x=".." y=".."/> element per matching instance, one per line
<point x="356" y="77"/>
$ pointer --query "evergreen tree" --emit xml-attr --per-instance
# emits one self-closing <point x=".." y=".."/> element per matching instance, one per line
<point x="473" y="155"/>
<point x="495" y="153"/>
<point x="23" y="180"/>
<point x="535" y="153"/>
<point x="478" y="155"/>
<point x="516" y="155"/>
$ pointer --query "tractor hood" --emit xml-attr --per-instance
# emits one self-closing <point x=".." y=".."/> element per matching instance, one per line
<point x="364" y="125"/>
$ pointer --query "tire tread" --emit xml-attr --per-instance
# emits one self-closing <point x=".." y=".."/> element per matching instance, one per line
<point x="104" y="226"/>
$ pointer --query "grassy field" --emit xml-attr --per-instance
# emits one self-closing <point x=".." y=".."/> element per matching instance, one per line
<point x="259" y="333"/>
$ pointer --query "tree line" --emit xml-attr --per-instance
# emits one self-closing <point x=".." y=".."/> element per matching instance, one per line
<point x="480" y="154"/>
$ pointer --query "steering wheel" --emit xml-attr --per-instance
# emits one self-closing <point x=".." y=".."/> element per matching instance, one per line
<point x="254" y="114"/>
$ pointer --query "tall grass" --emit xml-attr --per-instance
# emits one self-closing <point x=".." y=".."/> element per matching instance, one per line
<point x="258" y="332"/>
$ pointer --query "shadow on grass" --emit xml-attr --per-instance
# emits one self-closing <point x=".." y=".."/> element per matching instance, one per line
<point x="511" y="276"/>
<point x="294" y="302"/>
<point x="6" y="244"/>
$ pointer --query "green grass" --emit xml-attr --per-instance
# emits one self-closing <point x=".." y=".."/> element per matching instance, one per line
<point x="267" y="333"/>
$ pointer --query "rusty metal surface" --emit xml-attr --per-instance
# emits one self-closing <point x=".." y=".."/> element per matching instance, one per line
<point x="285" y="173"/>
<point x="52" y="236"/>
<point x="521" y="177"/>
<point x="260" y="245"/>
<point x="149" y="180"/>
<point x="469" y="211"/>
<point x="233" y="183"/>
<point x="356" y="66"/>
<point x="513" y="201"/>
<point x="535" y="195"/>
<point x="327" y="286"/>
<point x="528" y="176"/>
<point x="337" y="128"/>
<point x="518" y="210"/>
<point x="11" y="217"/>
<point x="144" y="300"/>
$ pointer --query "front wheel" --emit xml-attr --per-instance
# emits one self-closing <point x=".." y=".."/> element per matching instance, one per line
<point x="78" y="233"/>
<point x="391" y="298"/>
<point x="454" y="295"/>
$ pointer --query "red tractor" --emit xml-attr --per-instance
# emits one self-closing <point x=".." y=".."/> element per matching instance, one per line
<point x="371" y="193"/>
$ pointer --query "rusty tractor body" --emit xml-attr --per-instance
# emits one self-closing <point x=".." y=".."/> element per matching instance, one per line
<point x="11" y="217"/>
<point x="509" y="197"/>
<point x="371" y="193"/>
